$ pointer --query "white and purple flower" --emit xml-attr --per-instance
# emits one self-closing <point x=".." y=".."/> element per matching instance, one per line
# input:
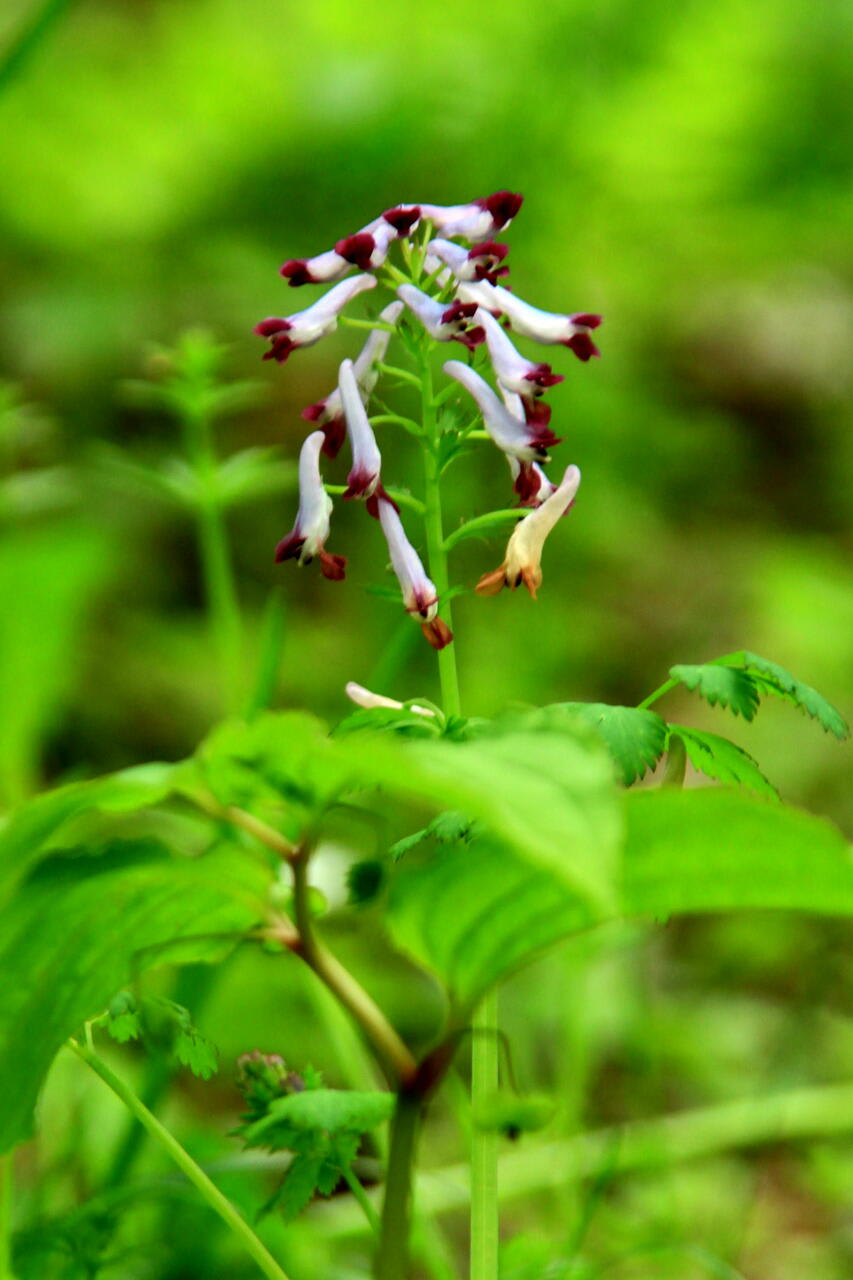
<point x="420" y="597"/>
<point x="443" y="322"/>
<point x="484" y="262"/>
<point x="480" y="220"/>
<point x="363" y="479"/>
<point x="522" y="562"/>
<point x="307" y="538"/>
<point x="304" y="328"/>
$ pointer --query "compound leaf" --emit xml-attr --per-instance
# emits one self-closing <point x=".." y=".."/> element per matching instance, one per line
<point x="771" y="678"/>
<point x="719" y="758"/>
<point x="727" y="686"/>
<point x="635" y="737"/>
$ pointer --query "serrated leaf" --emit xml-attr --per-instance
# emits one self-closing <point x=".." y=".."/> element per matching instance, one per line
<point x="122" y="1020"/>
<point x="298" y="1186"/>
<point x="720" y="850"/>
<point x="119" y="912"/>
<point x="719" y="758"/>
<point x="197" y="1053"/>
<point x="397" y="720"/>
<point x="325" y="1111"/>
<point x="635" y="737"/>
<point x="445" y="827"/>
<point x="774" y="679"/>
<point x="724" y="685"/>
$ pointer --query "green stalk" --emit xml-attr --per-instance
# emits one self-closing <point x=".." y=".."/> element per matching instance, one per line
<point x="219" y="1203"/>
<point x="484" y="1144"/>
<point x="658" y="693"/>
<point x="392" y="1255"/>
<point x="6" y="1193"/>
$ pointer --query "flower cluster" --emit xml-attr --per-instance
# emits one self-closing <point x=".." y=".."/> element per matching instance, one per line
<point x="446" y="289"/>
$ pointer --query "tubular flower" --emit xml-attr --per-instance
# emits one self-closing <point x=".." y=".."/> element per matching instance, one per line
<point x="308" y="536"/>
<point x="329" y="413"/>
<point x="304" y="328"/>
<point x="323" y="269"/>
<point x="512" y="371"/>
<point x="524" y="549"/>
<point x="545" y="326"/>
<point x="483" y="262"/>
<point x="403" y="218"/>
<point x="366" y="698"/>
<point x="479" y="220"/>
<point x="442" y="322"/>
<point x="363" y="479"/>
<point x="368" y="248"/>
<point x="528" y="479"/>
<point x="528" y="442"/>
<point x="419" y="594"/>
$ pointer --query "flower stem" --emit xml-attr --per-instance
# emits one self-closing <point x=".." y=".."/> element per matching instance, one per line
<point x="658" y="693"/>
<point x="484" y="1144"/>
<point x="393" y="1252"/>
<point x="191" y="1171"/>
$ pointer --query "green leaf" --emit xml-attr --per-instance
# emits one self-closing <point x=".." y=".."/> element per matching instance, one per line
<point x="122" y="1020"/>
<point x="393" y="719"/>
<point x="29" y="828"/>
<point x="771" y="678"/>
<point x="325" y="1111"/>
<point x="635" y="738"/>
<point x="474" y="913"/>
<point x="298" y="1186"/>
<point x="719" y="850"/>
<point x="120" y="914"/>
<point x="719" y="758"/>
<point x="728" y="686"/>
<point x="511" y="1115"/>
<point x="445" y="827"/>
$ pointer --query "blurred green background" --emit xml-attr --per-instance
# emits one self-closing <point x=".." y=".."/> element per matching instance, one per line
<point x="687" y="173"/>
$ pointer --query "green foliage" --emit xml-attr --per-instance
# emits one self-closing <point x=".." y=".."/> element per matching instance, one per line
<point x="445" y="828"/>
<point x="365" y="880"/>
<point x="635" y="738"/>
<point x="389" y="719"/>
<point x="721" y="759"/>
<point x="323" y="1128"/>
<point x="165" y="1027"/>
<point x="769" y="677"/>
<point x="719" y="850"/>
<point x="512" y="1115"/>
<point x="125" y="911"/>
<point x="724" y="685"/>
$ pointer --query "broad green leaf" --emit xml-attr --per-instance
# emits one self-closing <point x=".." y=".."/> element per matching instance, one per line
<point x="82" y="927"/>
<point x="474" y="913"/>
<point x="327" y="1111"/>
<point x="771" y="678"/>
<point x="635" y="738"/>
<point x="30" y="827"/>
<point x="719" y="850"/>
<point x="719" y="758"/>
<point x="727" y="685"/>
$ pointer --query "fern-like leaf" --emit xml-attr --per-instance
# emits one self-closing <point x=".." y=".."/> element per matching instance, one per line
<point x="721" y="759"/>
<point x="728" y="686"/>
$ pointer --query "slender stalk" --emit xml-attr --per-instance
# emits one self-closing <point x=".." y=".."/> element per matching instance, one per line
<point x="484" y="1144"/>
<point x="219" y="1203"/>
<point x="7" y="1183"/>
<point x="393" y="1252"/>
<point x="658" y="693"/>
<point x="361" y="1196"/>
<point x="479" y="524"/>
<point x="395" y="1059"/>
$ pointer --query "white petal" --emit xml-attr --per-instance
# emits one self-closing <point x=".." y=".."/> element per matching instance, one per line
<point x="419" y="594"/>
<point x="509" y="433"/>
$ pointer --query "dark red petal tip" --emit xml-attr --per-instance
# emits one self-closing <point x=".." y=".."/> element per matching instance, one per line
<point x="297" y="271"/>
<point x="503" y="206"/>
<point x="314" y="412"/>
<point x="587" y="318"/>
<point x="357" y="249"/>
<point x="458" y="311"/>
<point x="471" y="338"/>
<point x="335" y="431"/>
<point x="372" y="503"/>
<point x="489" y="249"/>
<point x="542" y="376"/>
<point x="272" y="325"/>
<point x="289" y="547"/>
<point x="582" y="345"/>
<point x="403" y="217"/>
<point x="332" y="567"/>
<point x="527" y="484"/>
<point x="437" y="632"/>
<point x="537" y="413"/>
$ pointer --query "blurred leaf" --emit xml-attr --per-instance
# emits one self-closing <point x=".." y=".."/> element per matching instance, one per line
<point x="512" y="1115"/>
<point x="327" y="1111"/>
<point x="771" y="678"/>
<point x="397" y="720"/>
<point x="119" y="912"/>
<point x="47" y="580"/>
<point x="635" y="738"/>
<point x="718" y="850"/>
<point x="721" y="759"/>
<point x="731" y="688"/>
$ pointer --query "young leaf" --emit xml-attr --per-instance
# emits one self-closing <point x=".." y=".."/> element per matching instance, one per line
<point x="396" y="720"/>
<point x="635" y="738"/>
<point x="120" y="913"/>
<point x="730" y="687"/>
<point x="297" y="1188"/>
<point x="327" y="1111"/>
<point x="718" y="850"/>
<point x="771" y="678"/>
<point x="718" y="758"/>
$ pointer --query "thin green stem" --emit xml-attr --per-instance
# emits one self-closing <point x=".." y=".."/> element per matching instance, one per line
<point x="188" y="1167"/>
<point x="392" y="1255"/>
<point x="404" y="375"/>
<point x="400" y="496"/>
<point x="7" y="1186"/>
<point x="395" y="1059"/>
<point x="658" y="693"/>
<point x="478" y="524"/>
<point x="361" y="1196"/>
<point x="484" y="1144"/>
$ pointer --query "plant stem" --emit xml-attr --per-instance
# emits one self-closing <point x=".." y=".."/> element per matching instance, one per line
<point x="7" y="1184"/>
<point x="484" y="1144"/>
<point x="658" y="693"/>
<point x="393" y="1252"/>
<point x="361" y="1196"/>
<point x="395" y="1059"/>
<point x="191" y="1171"/>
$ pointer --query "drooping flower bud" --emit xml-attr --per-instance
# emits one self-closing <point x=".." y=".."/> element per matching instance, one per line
<point x="304" y="328"/>
<point x="308" y="536"/>
<point x="528" y="442"/>
<point x="524" y="549"/>
<point x="329" y="413"/>
<point x="527" y="321"/>
<point x="483" y="262"/>
<point x="480" y="220"/>
<point x="512" y="370"/>
<point x="363" y="478"/>
<point x="420" y="597"/>
<point x="443" y="322"/>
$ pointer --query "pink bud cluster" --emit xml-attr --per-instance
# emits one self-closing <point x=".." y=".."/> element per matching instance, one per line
<point x="459" y="301"/>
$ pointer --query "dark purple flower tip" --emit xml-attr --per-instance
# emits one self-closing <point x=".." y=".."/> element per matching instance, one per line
<point x="527" y="484"/>
<point x="541" y="375"/>
<point x="489" y="249"/>
<point x="359" y="481"/>
<point x="289" y="547"/>
<point x="372" y="503"/>
<point x="332" y="567"/>
<point x="335" y="432"/>
<point x="458" y="311"/>
<point x="296" y="271"/>
<point x="437" y="632"/>
<point x="471" y="338"/>
<point x="537" y="413"/>
<point x="542" y="437"/>
<point x="314" y="412"/>
<point x="403" y="217"/>
<point x="280" y="349"/>
<point x="272" y="325"/>
<point x="503" y="206"/>
<point x="357" y="249"/>
<point x="591" y="321"/>
<point x="582" y="345"/>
